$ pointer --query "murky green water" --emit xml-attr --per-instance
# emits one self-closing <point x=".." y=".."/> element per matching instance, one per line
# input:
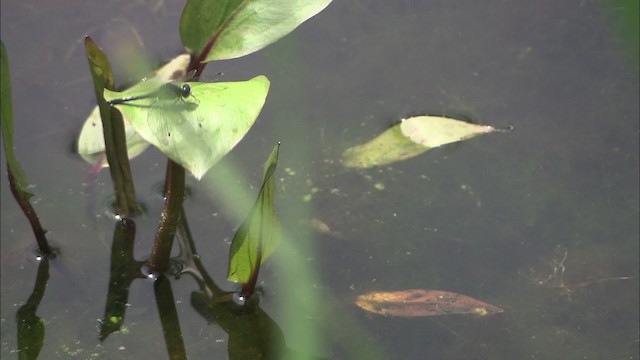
<point x="541" y="221"/>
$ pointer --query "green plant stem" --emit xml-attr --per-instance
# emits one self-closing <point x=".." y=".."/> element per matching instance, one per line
<point x="113" y="130"/>
<point x="169" y="219"/>
<point x="116" y="149"/>
<point x="31" y="215"/>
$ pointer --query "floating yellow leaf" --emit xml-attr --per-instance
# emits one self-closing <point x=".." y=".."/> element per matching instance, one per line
<point x="419" y="302"/>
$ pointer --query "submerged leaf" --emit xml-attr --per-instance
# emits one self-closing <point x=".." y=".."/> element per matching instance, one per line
<point x="388" y="147"/>
<point x="260" y="232"/>
<point x="200" y="129"/>
<point x="410" y="138"/>
<point x="419" y="302"/>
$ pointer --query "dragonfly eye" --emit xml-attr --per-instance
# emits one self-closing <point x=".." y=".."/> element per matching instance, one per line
<point x="185" y="90"/>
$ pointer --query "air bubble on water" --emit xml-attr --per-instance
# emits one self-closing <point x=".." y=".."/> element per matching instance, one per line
<point x="239" y="298"/>
<point x="148" y="273"/>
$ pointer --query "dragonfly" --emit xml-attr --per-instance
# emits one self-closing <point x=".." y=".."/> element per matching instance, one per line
<point x="169" y="91"/>
<point x="169" y="102"/>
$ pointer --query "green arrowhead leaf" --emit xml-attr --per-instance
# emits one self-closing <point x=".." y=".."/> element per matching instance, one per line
<point x="197" y="131"/>
<point x="260" y="232"/>
<point x="410" y="138"/>
<point x="6" y="124"/>
<point x="228" y="29"/>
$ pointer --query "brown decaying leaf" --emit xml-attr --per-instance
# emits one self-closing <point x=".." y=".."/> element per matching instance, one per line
<point x="419" y="302"/>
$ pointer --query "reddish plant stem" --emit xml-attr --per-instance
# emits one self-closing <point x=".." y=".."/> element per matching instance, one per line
<point x="31" y="215"/>
<point x="197" y="61"/>
<point x="169" y="219"/>
<point x="249" y="287"/>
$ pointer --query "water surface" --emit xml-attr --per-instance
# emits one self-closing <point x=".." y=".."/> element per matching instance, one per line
<point x="541" y="221"/>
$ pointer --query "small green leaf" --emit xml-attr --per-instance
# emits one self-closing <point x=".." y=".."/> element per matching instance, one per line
<point x="228" y="29"/>
<point x="197" y="131"/>
<point x="410" y="138"/>
<point x="91" y="139"/>
<point x="260" y="232"/>
<point x="6" y="124"/>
